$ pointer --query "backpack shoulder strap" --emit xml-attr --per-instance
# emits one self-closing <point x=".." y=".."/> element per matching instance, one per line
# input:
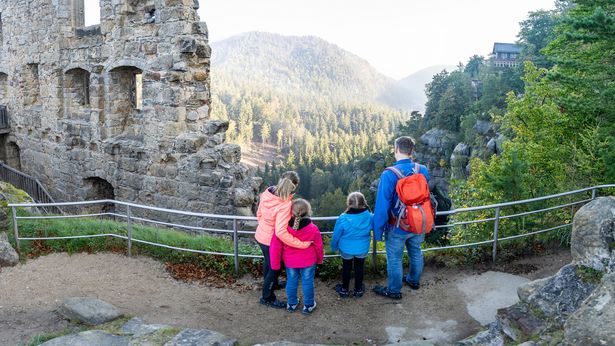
<point x="395" y="170"/>
<point x="416" y="169"/>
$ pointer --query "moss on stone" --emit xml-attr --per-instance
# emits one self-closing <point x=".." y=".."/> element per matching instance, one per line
<point x="589" y="275"/>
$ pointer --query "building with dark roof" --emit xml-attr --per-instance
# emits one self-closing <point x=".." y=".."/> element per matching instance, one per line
<point x="505" y="54"/>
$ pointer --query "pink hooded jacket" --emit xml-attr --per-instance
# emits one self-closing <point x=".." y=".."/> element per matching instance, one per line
<point x="273" y="214"/>
<point x="297" y="258"/>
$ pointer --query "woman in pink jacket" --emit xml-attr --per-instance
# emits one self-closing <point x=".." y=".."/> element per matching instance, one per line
<point x="273" y="214"/>
<point x="300" y="263"/>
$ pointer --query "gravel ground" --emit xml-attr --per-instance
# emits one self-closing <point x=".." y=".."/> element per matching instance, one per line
<point x="138" y="286"/>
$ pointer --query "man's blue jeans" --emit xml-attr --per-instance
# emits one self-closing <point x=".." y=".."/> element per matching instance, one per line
<point x="395" y="242"/>
<point x="307" y="282"/>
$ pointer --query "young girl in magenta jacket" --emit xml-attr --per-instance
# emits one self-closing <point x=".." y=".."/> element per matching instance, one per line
<point x="300" y="263"/>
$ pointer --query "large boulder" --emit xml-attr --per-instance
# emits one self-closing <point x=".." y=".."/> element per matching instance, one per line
<point x="193" y="337"/>
<point x="592" y="323"/>
<point x="562" y="294"/>
<point x="8" y="255"/>
<point x="593" y="235"/>
<point x="88" y="338"/>
<point x="90" y="311"/>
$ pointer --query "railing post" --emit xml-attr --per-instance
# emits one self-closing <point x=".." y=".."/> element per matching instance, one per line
<point x="374" y="252"/>
<point x="16" y="230"/>
<point x="236" y="246"/>
<point x="129" y="235"/>
<point x="495" y="233"/>
<point x="593" y="193"/>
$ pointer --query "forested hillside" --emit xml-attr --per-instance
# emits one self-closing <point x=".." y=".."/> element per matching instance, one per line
<point x="317" y="105"/>
<point x="545" y="126"/>
<point x="307" y="67"/>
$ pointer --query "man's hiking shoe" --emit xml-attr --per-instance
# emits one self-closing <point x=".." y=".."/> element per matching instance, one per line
<point x="383" y="291"/>
<point x="292" y="308"/>
<point x="412" y="285"/>
<point x="280" y="285"/>
<point x="278" y="304"/>
<point x="307" y="309"/>
<point x="341" y="291"/>
<point x="359" y="293"/>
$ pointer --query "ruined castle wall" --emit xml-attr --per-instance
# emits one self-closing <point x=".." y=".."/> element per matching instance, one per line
<point x="126" y="102"/>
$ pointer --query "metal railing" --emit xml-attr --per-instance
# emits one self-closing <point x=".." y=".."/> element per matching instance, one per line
<point x="31" y="186"/>
<point x="236" y="231"/>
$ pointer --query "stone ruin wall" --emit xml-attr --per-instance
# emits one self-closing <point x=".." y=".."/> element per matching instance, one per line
<point x="75" y="123"/>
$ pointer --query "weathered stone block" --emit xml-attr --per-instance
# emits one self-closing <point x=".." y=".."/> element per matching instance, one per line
<point x="230" y="153"/>
<point x="593" y="233"/>
<point x="243" y="197"/>
<point x="592" y="323"/>
<point x="189" y="143"/>
<point x="88" y="310"/>
<point x="187" y="44"/>
<point x="8" y="255"/>
<point x="192" y="337"/>
<point x="90" y="337"/>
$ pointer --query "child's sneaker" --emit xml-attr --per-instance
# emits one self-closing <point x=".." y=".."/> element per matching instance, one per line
<point x="341" y="291"/>
<point x="291" y="308"/>
<point x="307" y="309"/>
<point x="359" y="293"/>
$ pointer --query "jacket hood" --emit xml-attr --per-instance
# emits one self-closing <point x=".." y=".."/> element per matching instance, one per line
<point x="269" y="200"/>
<point x="358" y="219"/>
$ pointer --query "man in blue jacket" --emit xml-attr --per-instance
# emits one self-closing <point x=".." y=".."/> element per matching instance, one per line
<point x="396" y="239"/>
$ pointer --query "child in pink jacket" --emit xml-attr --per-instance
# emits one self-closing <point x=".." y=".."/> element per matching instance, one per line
<point x="300" y="263"/>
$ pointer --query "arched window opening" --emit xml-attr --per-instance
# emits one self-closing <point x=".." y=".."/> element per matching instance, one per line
<point x="99" y="189"/>
<point x="13" y="155"/>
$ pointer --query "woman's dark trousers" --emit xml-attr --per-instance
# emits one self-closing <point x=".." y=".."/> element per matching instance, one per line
<point x="270" y="276"/>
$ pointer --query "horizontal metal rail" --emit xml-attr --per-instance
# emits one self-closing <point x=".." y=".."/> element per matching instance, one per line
<point x="236" y="232"/>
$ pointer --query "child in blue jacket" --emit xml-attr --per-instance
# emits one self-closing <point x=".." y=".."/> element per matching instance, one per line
<point x="351" y="236"/>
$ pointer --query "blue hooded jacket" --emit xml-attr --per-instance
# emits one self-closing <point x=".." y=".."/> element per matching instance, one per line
<point x="387" y="197"/>
<point x="352" y="233"/>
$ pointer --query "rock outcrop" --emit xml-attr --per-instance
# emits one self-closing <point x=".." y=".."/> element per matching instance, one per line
<point x="8" y="255"/>
<point x="576" y="305"/>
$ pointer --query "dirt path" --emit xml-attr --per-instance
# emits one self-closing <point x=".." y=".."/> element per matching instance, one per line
<point x="140" y="286"/>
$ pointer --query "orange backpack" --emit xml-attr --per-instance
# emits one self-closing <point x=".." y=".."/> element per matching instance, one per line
<point x="413" y="192"/>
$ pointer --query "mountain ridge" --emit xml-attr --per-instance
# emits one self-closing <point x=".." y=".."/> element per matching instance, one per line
<point x="307" y="65"/>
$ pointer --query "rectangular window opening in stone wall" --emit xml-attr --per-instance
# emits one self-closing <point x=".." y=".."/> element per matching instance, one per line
<point x="123" y="98"/>
<point x="76" y="91"/>
<point x="91" y="12"/>
<point x="136" y="91"/>
<point x="4" y="88"/>
<point x="31" y="86"/>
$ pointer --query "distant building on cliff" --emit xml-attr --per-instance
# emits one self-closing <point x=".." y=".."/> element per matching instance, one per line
<point x="505" y="55"/>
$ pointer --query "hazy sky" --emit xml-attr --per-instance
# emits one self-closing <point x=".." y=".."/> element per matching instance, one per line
<point x="398" y="37"/>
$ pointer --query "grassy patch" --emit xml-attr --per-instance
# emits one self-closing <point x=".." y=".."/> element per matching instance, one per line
<point x="214" y="267"/>
<point x="113" y="327"/>
<point x="44" y="337"/>
<point x="589" y="274"/>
